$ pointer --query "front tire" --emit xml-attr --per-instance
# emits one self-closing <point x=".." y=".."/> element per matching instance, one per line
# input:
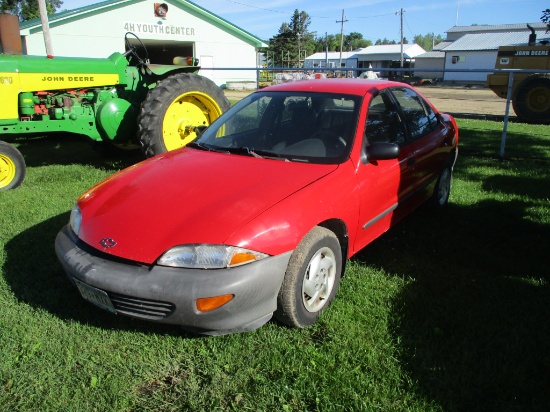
<point x="311" y="279"/>
<point x="12" y="167"/>
<point x="174" y="108"/>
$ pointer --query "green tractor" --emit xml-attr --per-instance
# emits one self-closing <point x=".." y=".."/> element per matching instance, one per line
<point x="122" y="101"/>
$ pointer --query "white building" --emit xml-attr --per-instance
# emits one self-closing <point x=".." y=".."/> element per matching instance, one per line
<point x="372" y="57"/>
<point x="470" y="52"/>
<point x="168" y="28"/>
<point x="331" y="60"/>
<point x="388" y="56"/>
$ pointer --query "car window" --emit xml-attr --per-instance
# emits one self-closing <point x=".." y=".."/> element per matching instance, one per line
<point x="297" y="126"/>
<point x="383" y="121"/>
<point x="419" y="116"/>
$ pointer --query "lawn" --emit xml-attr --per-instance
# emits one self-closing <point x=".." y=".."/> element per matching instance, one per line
<point x="444" y="312"/>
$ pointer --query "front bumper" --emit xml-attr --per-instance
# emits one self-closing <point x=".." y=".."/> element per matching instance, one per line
<point x="168" y="295"/>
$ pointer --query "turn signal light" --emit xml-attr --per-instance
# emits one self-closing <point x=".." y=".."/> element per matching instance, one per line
<point x="208" y="304"/>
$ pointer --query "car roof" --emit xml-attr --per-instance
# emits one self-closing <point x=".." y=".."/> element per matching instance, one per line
<point x="346" y="86"/>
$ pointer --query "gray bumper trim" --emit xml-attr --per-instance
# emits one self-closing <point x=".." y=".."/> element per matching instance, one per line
<point x="255" y="286"/>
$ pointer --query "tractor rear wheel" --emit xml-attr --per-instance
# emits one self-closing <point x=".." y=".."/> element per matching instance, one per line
<point x="531" y="101"/>
<point x="12" y="167"/>
<point x="174" y="108"/>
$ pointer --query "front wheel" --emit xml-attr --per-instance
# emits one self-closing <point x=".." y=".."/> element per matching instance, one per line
<point x="175" y="108"/>
<point x="12" y="167"/>
<point x="311" y="279"/>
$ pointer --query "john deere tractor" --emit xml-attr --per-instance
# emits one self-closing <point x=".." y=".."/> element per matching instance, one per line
<point x="530" y="91"/>
<point x="122" y="100"/>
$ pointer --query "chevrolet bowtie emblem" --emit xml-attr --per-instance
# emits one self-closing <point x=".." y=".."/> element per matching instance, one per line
<point x="107" y="242"/>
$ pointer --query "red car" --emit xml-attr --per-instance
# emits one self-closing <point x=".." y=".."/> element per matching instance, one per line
<point x="258" y="216"/>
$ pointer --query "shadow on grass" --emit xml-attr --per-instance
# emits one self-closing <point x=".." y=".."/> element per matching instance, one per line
<point x="68" y="148"/>
<point x="37" y="278"/>
<point x="473" y="323"/>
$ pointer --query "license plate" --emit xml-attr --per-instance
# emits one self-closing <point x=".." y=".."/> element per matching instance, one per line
<point x="96" y="296"/>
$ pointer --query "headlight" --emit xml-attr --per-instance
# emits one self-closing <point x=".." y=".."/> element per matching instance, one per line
<point x="76" y="219"/>
<point x="209" y="256"/>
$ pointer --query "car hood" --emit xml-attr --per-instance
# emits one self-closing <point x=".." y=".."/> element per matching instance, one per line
<point x="183" y="197"/>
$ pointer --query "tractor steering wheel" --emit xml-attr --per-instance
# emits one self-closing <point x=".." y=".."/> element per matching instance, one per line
<point x="132" y="50"/>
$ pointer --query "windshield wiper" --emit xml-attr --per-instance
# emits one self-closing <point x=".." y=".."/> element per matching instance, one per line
<point x="203" y="146"/>
<point x="244" y="150"/>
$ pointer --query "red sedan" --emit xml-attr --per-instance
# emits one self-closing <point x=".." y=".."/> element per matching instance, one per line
<point x="258" y="216"/>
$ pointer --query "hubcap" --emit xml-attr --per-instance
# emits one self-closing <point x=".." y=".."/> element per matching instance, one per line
<point x="319" y="279"/>
<point x="444" y="186"/>
<point x="538" y="100"/>
<point x="185" y="113"/>
<point x="7" y="170"/>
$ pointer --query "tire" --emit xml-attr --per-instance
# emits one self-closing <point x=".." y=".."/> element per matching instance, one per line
<point x="311" y="279"/>
<point x="12" y="167"/>
<point x="531" y="100"/>
<point x="174" y="108"/>
<point x="442" y="190"/>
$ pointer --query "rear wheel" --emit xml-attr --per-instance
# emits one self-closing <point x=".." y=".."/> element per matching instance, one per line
<point x="12" y="167"/>
<point x="442" y="189"/>
<point x="531" y="101"/>
<point x="311" y="279"/>
<point x="175" y="108"/>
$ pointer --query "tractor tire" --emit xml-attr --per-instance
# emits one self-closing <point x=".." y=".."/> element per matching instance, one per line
<point x="12" y="167"/>
<point x="174" y="108"/>
<point x="531" y="100"/>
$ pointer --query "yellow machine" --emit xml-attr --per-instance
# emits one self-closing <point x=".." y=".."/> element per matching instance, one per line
<point x="530" y="91"/>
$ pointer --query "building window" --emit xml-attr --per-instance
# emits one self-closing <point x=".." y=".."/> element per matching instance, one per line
<point x="458" y="59"/>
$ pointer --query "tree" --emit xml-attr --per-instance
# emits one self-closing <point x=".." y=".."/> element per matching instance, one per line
<point x="546" y="19"/>
<point x="356" y="41"/>
<point x="292" y="43"/>
<point x="28" y="9"/>
<point x="352" y="41"/>
<point x="384" y="42"/>
<point x="428" y="41"/>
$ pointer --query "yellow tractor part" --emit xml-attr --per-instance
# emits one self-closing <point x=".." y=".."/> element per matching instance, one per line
<point x="184" y="114"/>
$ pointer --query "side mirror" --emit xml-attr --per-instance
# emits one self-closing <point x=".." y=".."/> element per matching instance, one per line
<point x="380" y="151"/>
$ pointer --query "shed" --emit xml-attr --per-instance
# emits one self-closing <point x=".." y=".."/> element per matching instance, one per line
<point x="478" y="51"/>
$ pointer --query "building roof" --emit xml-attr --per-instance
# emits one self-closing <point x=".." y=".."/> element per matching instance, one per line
<point x="492" y="41"/>
<point x="331" y="55"/>
<point x="441" y="45"/>
<point x="487" y="28"/>
<point x="391" y="51"/>
<point x="434" y="54"/>
<point x="57" y="19"/>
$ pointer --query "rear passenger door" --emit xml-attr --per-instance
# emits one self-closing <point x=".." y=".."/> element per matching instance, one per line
<point x="426" y="142"/>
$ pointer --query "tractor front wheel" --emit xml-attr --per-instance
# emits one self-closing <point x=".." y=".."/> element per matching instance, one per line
<point x="12" y="167"/>
<point x="175" y="108"/>
<point x="531" y="101"/>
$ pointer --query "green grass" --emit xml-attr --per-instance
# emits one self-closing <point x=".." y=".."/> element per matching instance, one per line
<point x="444" y="312"/>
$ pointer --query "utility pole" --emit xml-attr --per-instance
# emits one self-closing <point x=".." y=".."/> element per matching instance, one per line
<point x="45" y="27"/>
<point x="341" y="35"/>
<point x="401" y="13"/>
<point x="326" y="50"/>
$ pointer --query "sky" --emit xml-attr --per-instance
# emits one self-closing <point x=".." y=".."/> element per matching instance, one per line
<point x="374" y="19"/>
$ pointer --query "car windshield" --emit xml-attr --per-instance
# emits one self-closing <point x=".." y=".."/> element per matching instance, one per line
<point x="291" y="126"/>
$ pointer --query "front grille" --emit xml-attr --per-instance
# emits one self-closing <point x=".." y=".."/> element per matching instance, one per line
<point x="141" y="308"/>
